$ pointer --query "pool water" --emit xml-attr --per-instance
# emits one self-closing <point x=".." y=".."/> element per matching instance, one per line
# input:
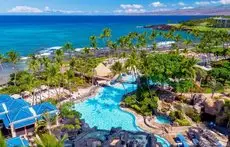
<point x="103" y="110"/>
<point x="162" y="120"/>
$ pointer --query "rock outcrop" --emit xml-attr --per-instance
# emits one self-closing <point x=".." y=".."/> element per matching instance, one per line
<point x="212" y="106"/>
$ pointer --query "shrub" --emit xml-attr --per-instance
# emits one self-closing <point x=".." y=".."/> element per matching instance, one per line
<point x="176" y="115"/>
<point x="194" y="116"/>
<point x="52" y="101"/>
<point x="67" y="111"/>
<point x="130" y="100"/>
<point x="183" y="122"/>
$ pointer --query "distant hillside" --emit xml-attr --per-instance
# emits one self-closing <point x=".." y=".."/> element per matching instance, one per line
<point x="217" y="10"/>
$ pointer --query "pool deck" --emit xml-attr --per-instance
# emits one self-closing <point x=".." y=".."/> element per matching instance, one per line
<point x="167" y="133"/>
<point x="141" y="123"/>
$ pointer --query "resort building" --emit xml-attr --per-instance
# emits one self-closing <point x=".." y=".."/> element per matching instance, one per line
<point x="18" y="118"/>
<point x="222" y="22"/>
<point x="17" y="142"/>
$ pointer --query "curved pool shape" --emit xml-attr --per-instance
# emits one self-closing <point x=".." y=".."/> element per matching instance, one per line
<point x="103" y="110"/>
<point x="162" y="120"/>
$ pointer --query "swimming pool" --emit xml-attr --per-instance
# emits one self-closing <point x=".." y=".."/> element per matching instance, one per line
<point x="103" y="109"/>
<point x="162" y="120"/>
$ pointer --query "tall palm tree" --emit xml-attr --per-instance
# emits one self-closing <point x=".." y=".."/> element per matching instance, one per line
<point x="59" y="57"/>
<point x="52" y="75"/>
<point x="68" y="47"/>
<point x="117" y="69"/>
<point x="49" y="140"/>
<point x="2" y="140"/>
<point x="106" y="34"/>
<point x="93" y="41"/>
<point x="46" y="122"/>
<point x="132" y="63"/>
<point x="214" y="85"/>
<point x="13" y="57"/>
<point x="44" y="62"/>
<point x="86" y="51"/>
<point x="141" y="40"/>
<point x="187" y="42"/>
<point x="69" y="78"/>
<point x="30" y="81"/>
<point x="34" y="64"/>
<point x="152" y="38"/>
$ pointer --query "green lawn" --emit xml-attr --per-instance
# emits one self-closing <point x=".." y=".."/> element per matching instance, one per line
<point x="202" y="27"/>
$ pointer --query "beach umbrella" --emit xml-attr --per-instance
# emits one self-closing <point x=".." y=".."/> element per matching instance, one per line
<point x="25" y="93"/>
<point x="44" y="87"/>
<point x="16" y="96"/>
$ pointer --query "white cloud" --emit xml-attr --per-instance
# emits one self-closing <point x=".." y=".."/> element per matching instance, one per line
<point x="25" y="9"/>
<point x="131" y="6"/>
<point x="181" y="4"/>
<point x="186" y="8"/>
<point x="225" y="2"/>
<point x="48" y="10"/>
<point x="161" y="10"/>
<point x="157" y="4"/>
<point x="129" y="11"/>
<point x="204" y="3"/>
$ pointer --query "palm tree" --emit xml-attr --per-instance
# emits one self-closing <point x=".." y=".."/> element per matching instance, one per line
<point x="117" y="69"/>
<point x="86" y="51"/>
<point x="141" y="40"/>
<point x="68" y="47"/>
<point x="13" y="58"/>
<point x="30" y="81"/>
<point x="187" y="42"/>
<point x="214" y="85"/>
<point x="52" y="75"/>
<point x="2" y="140"/>
<point x="59" y="56"/>
<point x="49" y="140"/>
<point x="93" y="41"/>
<point x="46" y="122"/>
<point x="152" y="37"/>
<point x="34" y="64"/>
<point x="44" y="62"/>
<point x="69" y="77"/>
<point x="132" y="62"/>
<point x="106" y="34"/>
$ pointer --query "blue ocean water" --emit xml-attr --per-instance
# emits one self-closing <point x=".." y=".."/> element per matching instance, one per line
<point x="30" y="34"/>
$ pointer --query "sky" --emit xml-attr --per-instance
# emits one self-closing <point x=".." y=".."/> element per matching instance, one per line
<point x="101" y="6"/>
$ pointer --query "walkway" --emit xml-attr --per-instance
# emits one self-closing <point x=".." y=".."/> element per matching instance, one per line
<point x="168" y="132"/>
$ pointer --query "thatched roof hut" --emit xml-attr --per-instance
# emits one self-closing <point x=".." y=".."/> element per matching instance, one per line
<point x="102" y="71"/>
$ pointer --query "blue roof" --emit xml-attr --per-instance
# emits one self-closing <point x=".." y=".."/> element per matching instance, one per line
<point x="12" y="103"/>
<point x="4" y="98"/>
<point x="17" y="142"/>
<point x="20" y="113"/>
<point x="44" y="107"/>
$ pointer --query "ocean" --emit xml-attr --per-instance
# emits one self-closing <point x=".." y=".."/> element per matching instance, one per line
<point x="31" y="34"/>
<point x="40" y="34"/>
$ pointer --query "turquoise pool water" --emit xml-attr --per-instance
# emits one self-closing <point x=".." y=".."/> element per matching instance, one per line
<point x="103" y="109"/>
<point x="162" y="120"/>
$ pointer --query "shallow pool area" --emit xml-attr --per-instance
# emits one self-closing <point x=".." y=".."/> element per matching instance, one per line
<point x="162" y="120"/>
<point x="103" y="109"/>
